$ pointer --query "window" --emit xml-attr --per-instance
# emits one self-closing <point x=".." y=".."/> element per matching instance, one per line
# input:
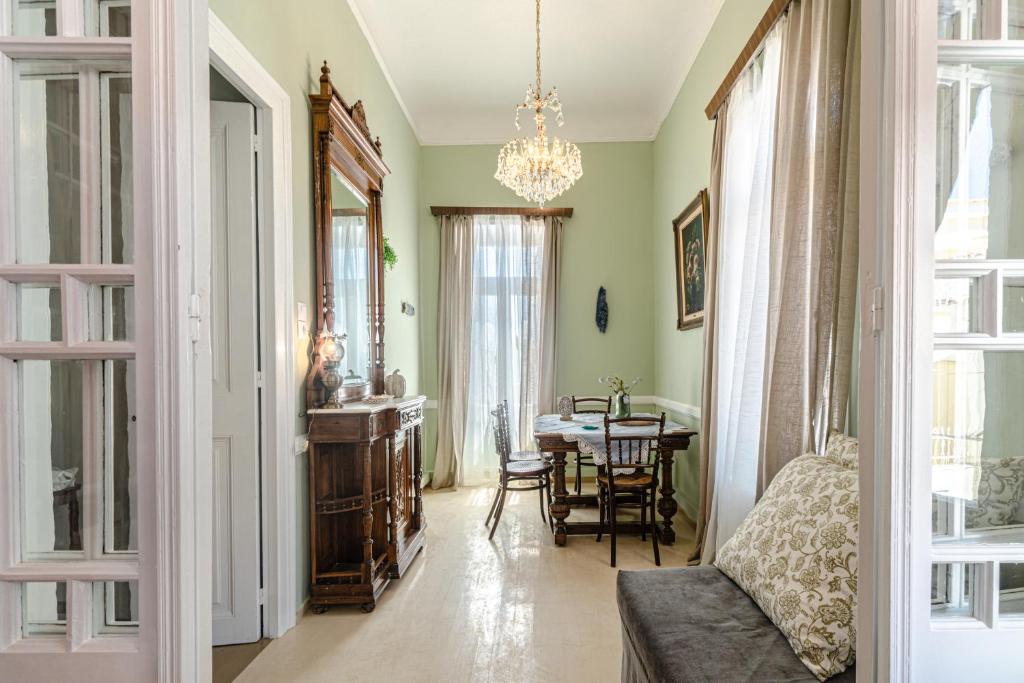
<point x="508" y="314"/>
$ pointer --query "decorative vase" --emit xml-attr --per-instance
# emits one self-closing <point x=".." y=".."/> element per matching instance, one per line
<point x="622" y="407"/>
<point x="331" y="379"/>
<point x="394" y="384"/>
<point x="565" y="408"/>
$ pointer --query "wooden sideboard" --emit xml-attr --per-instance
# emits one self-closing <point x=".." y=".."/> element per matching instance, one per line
<point x="365" y="499"/>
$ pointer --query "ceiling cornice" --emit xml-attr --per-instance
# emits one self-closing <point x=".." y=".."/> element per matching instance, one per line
<point x="384" y="69"/>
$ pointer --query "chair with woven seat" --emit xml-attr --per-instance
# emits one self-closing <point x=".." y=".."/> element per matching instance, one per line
<point x="587" y="405"/>
<point x="630" y="477"/>
<point x="536" y="471"/>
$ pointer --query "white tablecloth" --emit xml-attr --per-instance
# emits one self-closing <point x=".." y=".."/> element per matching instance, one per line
<point x="591" y="441"/>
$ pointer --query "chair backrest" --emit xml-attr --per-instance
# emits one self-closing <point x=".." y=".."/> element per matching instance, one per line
<point x="502" y="440"/>
<point x="597" y="404"/>
<point x="639" y="451"/>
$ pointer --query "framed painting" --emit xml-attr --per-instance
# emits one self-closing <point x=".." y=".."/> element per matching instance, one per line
<point x="689" y="231"/>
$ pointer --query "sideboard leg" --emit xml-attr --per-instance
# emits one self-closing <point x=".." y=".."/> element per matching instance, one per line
<point x="417" y="468"/>
<point x="367" y="573"/>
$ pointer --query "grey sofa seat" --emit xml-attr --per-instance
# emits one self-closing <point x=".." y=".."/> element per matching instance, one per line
<point x="694" y="625"/>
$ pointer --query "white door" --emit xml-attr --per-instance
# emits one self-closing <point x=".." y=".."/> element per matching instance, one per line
<point x="975" y="500"/>
<point x="236" y="503"/>
<point x="95" y="460"/>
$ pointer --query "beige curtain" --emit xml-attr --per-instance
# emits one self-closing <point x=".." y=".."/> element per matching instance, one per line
<point x="813" y="271"/>
<point x="704" y="549"/>
<point x="453" y="324"/>
<point x="550" y="286"/>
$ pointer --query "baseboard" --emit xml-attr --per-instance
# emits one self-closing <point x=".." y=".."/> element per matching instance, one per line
<point x="301" y="612"/>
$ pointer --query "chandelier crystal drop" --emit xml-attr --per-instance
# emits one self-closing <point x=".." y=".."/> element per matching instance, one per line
<point x="539" y="169"/>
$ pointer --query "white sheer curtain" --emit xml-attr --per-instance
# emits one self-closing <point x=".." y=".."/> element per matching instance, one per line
<point x="505" y="336"/>
<point x="351" y="297"/>
<point x="742" y="263"/>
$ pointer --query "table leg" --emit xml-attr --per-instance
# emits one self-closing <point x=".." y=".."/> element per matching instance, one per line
<point x="559" y="508"/>
<point x="667" y="505"/>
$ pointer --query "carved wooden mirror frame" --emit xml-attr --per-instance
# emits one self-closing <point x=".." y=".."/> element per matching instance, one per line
<point x="342" y="141"/>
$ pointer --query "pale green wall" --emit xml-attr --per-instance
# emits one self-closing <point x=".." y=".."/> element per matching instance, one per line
<point x="682" y="163"/>
<point x="607" y="242"/>
<point x="619" y="236"/>
<point x="291" y="43"/>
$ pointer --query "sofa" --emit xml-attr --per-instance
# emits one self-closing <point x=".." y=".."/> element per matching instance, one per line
<point x="694" y="624"/>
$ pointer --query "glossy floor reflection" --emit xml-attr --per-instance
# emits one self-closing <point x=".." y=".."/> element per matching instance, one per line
<point x="517" y="608"/>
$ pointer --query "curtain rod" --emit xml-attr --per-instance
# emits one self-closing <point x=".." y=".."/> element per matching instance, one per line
<point x="499" y="211"/>
<point x="772" y="15"/>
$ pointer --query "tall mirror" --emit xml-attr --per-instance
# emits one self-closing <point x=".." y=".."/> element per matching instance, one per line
<point x="351" y="266"/>
<point x="348" y="179"/>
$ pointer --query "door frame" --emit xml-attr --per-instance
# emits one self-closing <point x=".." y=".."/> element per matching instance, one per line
<point x="897" y="170"/>
<point x="277" y="334"/>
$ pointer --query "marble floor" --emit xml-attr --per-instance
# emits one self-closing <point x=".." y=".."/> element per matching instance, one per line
<point x="517" y="608"/>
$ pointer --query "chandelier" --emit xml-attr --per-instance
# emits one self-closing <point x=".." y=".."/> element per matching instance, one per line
<point x="539" y="169"/>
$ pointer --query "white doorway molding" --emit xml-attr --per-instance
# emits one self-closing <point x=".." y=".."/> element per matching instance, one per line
<point x="896" y="224"/>
<point x="274" y="217"/>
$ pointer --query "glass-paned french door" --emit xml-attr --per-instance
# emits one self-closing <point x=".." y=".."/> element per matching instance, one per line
<point x="70" y="576"/>
<point x="977" y="362"/>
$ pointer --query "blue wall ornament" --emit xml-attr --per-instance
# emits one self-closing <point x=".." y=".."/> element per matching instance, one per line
<point x="602" y="310"/>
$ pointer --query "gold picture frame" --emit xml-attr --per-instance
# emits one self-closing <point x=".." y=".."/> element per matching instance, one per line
<point x="689" y="234"/>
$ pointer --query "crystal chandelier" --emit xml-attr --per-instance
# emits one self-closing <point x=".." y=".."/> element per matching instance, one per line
<point x="540" y="169"/>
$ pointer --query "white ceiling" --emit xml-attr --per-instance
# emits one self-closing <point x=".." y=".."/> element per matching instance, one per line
<point x="459" y="67"/>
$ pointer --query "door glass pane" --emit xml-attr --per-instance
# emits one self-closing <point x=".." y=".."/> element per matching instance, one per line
<point x="48" y="185"/>
<point x="977" y="464"/>
<point x="120" y="526"/>
<point x="116" y="138"/>
<point x="111" y="313"/>
<point x="115" y="606"/>
<point x="960" y="19"/>
<point x="44" y="609"/>
<point x="1013" y="304"/>
<point x="981" y="197"/>
<point x="957" y="307"/>
<point x="1015" y="20"/>
<point x="35" y="17"/>
<point x="51" y="398"/>
<point x="39" y="315"/>
<point x="109" y="18"/>
<point x="954" y="586"/>
<point x="1011" y="589"/>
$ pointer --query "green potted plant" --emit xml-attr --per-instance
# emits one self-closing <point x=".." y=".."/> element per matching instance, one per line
<point x="390" y="256"/>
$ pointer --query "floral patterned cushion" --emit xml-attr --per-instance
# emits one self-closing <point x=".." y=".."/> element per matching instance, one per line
<point x="1000" y="490"/>
<point x="842" y="449"/>
<point x="796" y="555"/>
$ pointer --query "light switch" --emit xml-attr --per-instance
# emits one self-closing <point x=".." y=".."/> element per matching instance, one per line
<point x="302" y="317"/>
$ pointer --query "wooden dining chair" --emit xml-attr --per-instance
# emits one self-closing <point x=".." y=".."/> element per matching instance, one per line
<point x="536" y="473"/>
<point x="588" y="405"/>
<point x="634" y="483"/>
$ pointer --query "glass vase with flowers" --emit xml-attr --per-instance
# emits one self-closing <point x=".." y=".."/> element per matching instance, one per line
<point x="621" y="392"/>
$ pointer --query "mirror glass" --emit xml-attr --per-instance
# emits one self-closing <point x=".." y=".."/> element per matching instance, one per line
<point x="349" y="237"/>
